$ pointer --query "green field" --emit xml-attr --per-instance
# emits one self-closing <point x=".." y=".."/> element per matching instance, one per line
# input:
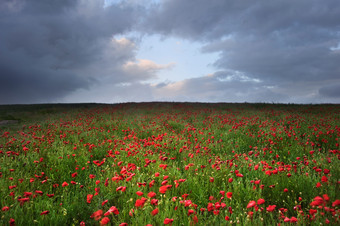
<point x="169" y="163"/>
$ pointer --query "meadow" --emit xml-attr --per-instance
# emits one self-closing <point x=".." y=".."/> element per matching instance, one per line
<point x="170" y="163"/>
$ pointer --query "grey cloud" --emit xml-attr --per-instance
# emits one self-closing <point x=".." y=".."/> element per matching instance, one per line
<point x="219" y="87"/>
<point x="50" y="49"/>
<point x="281" y="43"/>
<point x="332" y="91"/>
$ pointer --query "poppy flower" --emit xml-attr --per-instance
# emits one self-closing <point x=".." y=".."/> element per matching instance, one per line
<point x="336" y="203"/>
<point x="164" y="188"/>
<point x="229" y="195"/>
<point x="251" y="204"/>
<point x="324" y="179"/>
<point x="45" y="212"/>
<point x="154" y="202"/>
<point x="112" y="209"/>
<point x="271" y="208"/>
<point x="154" y="212"/>
<point x="168" y="221"/>
<point x="5" y="208"/>
<point x="121" y="188"/>
<point x="227" y="218"/>
<point x="11" y="222"/>
<point x="64" y="184"/>
<point x="190" y="212"/>
<point x="103" y="203"/>
<point x="97" y="215"/>
<point x="317" y="201"/>
<point x="293" y="220"/>
<point x="151" y="194"/>
<point x="89" y="198"/>
<point x="105" y="221"/>
<point x="260" y="201"/>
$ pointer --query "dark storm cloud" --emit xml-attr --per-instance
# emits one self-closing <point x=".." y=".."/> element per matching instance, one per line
<point x="280" y="43"/>
<point x="331" y="91"/>
<point x="52" y="48"/>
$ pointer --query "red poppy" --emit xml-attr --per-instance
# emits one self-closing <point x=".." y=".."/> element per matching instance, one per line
<point x="190" y="212"/>
<point x="97" y="215"/>
<point x="324" y="179"/>
<point x="121" y="188"/>
<point x="151" y="194"/>
<point x="45" y="212"/>
<point x="164" y="188"/>
<point x="229" y="195"/>
<point x="154" y="202"/>
<point x="271" y="208"/>
<point x="260" y="201"/>
<point x="154" y="212"/>
<point x="251" y="204"/>
<point x="89" y="198"/>
<point x="105" y="221"/>
<point x="112" y="209"/>
<point x="168" y="221"/>
<point x="293" y="219"/>
<point x="336" y="203"/>
<point x="11" y="222"/>
<point x="5" y="208"/>
<point x="317" y="201"/>
<point x="103" y="203"/>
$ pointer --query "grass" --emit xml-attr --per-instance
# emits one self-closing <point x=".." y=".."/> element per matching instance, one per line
<point x="57" y="156"/>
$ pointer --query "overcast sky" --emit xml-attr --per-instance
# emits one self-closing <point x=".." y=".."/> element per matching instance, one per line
<point x="112" y="51"/>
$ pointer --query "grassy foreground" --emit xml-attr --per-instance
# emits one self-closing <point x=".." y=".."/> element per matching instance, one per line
<point x="170" y="163"/>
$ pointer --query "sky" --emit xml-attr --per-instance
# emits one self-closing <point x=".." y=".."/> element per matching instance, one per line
<point x="114" y="51"/>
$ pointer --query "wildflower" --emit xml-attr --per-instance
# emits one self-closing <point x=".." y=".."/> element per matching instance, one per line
<point x="154" y="212"/>
<point x="251" y="204"/>
<point x="168" y="221"/>
<point x="89" y="198"/>
<point x="112" y="209"/>
<point x="229" y="195"/>
<point x="97" y="215"/>
<point x="5" y="208"/>
<point x="151" y="194"/>
<point x="12" y="222"/>
<point x="103" y="203"/>
<point x="45" y="212"/>
<point x="271" y="208"/>
<point x="260" y="201"/>
<point x="105" y="221"/>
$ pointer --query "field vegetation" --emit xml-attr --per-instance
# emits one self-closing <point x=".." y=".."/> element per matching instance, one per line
<point x="170" y="163"/>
